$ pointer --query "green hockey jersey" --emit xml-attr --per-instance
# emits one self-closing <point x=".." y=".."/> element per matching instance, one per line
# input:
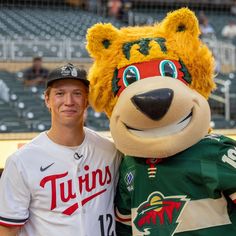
<point x="190" y="194"/>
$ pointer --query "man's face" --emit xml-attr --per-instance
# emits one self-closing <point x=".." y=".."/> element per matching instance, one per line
<point x="67" y="101"/>
<point x="37" y="64"/>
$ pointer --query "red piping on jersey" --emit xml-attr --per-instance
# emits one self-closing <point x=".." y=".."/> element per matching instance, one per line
<point x="11" y="225"/>
<point x="84" y="201"/>
<point x="70" y="210"/>
<point x="123" y="220"/>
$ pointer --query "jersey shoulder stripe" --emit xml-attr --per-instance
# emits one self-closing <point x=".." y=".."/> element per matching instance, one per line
<point x="219" y="138"/>
<point x="125" y="219"/>
<point x="12" y="222"/>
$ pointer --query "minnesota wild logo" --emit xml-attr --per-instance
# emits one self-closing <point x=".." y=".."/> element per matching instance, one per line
<point x="159" y="214"/>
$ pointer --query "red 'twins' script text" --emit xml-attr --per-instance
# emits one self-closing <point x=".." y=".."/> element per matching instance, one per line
<point x="87" y="182"/>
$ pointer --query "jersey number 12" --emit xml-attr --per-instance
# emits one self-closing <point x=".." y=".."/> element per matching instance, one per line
<point x="106" y="225"/>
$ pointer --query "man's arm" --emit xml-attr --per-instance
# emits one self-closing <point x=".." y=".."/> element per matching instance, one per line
<point x="14" y="199"/>
<point x="33" y="82"/>
<point x="9" y="231"/>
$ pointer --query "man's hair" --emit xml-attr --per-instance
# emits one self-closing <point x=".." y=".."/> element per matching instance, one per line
<point x="48" y="89"/>
<point x="37" y="59"/>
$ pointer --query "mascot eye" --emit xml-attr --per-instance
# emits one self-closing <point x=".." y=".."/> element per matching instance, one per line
<point x="168" y="68"/>
<point x="131" y="75"/>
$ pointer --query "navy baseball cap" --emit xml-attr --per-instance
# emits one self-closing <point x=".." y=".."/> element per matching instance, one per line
<point x="68" y="71"/>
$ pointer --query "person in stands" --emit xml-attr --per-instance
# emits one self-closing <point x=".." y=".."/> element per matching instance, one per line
<point x="35" y="75"/>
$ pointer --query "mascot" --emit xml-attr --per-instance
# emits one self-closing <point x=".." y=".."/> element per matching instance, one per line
<point x="153" y="83"/>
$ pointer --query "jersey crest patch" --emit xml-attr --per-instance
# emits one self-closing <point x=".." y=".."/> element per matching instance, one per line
<point x="129" y="179"/>
<point x="159" y="212"/>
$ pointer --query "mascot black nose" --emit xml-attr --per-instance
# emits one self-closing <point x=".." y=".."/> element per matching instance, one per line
<point x="155" y="103"/>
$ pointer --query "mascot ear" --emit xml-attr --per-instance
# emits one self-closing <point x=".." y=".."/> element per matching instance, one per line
<point x="181" y="21"/>
<point x="100" y="38"/>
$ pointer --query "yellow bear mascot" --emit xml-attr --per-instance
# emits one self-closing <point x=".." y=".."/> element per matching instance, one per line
<point x="153" y="83"/>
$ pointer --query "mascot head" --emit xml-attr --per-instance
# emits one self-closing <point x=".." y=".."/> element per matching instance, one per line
<point x="153" y="83"/>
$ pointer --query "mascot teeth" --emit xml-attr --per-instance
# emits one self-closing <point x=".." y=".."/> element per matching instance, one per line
<point x="163" y="131"/>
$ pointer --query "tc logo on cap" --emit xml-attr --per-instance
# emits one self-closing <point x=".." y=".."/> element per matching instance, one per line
<point x="69" y="70"/>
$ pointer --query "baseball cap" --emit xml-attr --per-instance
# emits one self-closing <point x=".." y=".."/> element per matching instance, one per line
<point x="68" y="71"/>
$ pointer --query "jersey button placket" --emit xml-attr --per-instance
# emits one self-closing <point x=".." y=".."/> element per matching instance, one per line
<point x="79" y="198"/>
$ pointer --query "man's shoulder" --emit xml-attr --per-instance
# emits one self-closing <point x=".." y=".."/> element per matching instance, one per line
<point x="28" y="73"/>
<point x="28" y="148"/>
<point x="44" y="70"/>
<point x="100" y="141"/>
<point x="133" y="162"/>
<point x="28" y="70"/>
<point x="98" y="137"/>
<point x="217" y="139"/>
<point x="211" y="148"/>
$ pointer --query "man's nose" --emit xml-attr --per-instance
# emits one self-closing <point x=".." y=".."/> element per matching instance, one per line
<point x="69" y="99"/>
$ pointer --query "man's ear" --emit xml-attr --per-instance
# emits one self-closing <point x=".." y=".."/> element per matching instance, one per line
<point x="100" y="38"/>
<point x="46" y="101"/>
<point x="87" y="105"/>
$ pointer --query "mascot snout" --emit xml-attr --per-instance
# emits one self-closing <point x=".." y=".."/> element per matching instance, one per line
<point x="155" y="103"/>
<point x="159" y="110"/>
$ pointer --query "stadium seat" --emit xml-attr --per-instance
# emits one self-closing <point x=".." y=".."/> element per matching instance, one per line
<point x="219" y="122"/>
<point x="46" y="32"/>
<point x="15" y="126"/>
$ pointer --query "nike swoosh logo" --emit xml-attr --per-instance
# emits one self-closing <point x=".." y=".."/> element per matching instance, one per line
<point x="45" y="168"/>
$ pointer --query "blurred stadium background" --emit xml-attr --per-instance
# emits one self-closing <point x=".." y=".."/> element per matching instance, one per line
<point x="55" y="30"/>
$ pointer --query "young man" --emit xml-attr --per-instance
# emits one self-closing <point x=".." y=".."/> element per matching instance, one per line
<point x="62" y="182"/>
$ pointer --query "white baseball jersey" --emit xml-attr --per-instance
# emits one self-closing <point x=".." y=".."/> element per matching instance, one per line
<point x="50" y="189"/>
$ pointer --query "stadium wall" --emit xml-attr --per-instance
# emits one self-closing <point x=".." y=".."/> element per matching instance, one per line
<point x="20" y="66"/>
<point x="9" y="143"/>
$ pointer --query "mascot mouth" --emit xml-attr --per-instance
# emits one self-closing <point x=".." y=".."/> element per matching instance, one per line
<point x="163" y="131"/>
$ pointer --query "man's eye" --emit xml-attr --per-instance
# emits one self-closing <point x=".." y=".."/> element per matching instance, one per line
<point x="131" y="75"/>
<point x="59" y="93"/>
<point x="168" y="68"/>
<point x="78" y="93"/>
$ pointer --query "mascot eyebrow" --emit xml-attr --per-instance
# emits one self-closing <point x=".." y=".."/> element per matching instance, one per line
<point x="185" y="76"/>
<point x="115" y="80"/>
<point x="144" y="46"/>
